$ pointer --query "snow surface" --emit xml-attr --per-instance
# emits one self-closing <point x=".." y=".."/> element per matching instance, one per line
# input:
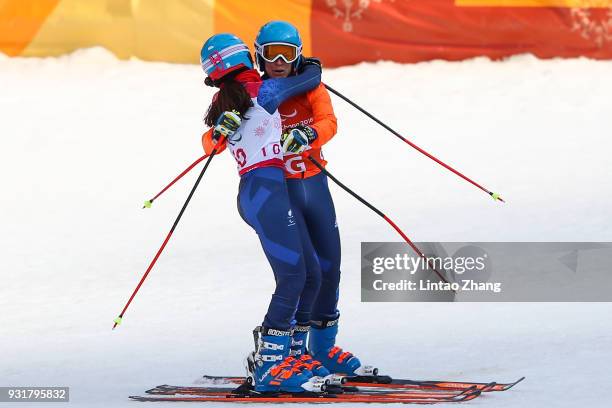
<point x="87" y="138"/>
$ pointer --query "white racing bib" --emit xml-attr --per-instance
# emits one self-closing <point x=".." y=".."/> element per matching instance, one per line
<point x="256" y="143"/>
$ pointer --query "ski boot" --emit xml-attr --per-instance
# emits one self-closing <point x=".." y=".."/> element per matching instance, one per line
<point x="321" y="344"/>
<point x="299" y="352"/>
<point x="271" y="369"/>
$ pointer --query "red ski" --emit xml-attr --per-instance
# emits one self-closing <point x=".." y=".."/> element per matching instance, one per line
<point x="377" y="392"/>
<point x="308" y="397"/>
<point x="387" y="382"/>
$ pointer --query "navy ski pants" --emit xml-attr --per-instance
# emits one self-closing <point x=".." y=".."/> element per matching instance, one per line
<point x="296" y="224"/>
<point x="314" y="211"/>
<point x="264" y="204"/>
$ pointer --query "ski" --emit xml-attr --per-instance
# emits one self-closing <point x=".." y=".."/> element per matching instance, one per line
<point x="307" y="397"/>
<point x="457" y="385"/>
<point x="211" y="391"/>
<point x="388" y="382"/>
<point x="375" y="389"/>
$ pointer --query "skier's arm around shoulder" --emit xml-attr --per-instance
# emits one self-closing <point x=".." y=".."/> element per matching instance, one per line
<point x="325" y="123"/>
<point x="275" y="91"/>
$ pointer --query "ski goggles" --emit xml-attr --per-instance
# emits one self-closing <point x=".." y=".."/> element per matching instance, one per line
<point x="272" y="51"/>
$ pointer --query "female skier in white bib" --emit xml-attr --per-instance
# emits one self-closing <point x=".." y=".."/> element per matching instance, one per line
<point x="245" y="118"/>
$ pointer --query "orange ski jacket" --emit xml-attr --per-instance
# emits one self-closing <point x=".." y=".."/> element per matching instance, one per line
<point x="312" y="109"/>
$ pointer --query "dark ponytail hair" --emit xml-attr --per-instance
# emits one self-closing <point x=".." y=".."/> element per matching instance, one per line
<point x="231" y="96"/>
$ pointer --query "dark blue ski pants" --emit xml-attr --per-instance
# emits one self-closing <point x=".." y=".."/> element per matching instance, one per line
<point x="314" y="211"/>
<point x="296" y="225"/>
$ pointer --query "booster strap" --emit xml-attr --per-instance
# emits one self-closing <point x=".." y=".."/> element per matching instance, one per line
<point x="324" y="324"/>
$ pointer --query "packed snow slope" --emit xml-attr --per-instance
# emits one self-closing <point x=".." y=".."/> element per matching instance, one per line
<point x="87" y="138"/>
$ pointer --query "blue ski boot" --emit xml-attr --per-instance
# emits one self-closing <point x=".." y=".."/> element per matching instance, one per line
<point x="270" y="367"/>
<point x="299" y="352"/>
<point x="321" y="345"/>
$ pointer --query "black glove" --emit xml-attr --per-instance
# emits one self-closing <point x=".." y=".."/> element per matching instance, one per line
<point x="309" y="61"/>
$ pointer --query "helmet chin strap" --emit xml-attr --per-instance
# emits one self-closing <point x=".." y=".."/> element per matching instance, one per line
<point x="296" y="64"/>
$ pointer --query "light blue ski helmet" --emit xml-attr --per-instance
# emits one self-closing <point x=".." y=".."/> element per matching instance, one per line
<point x="224" y="53"/>
<point x="280" y="32"/>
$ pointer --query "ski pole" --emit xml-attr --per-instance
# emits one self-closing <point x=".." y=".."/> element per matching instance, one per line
<point x="440" y="162"/>
<point x="119" y="318"/>
<point x="377" y="211"/>
<point x="149" y="203"/>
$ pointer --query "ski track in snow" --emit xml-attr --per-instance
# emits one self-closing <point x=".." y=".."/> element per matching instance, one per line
<point x="87" y="138"/>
